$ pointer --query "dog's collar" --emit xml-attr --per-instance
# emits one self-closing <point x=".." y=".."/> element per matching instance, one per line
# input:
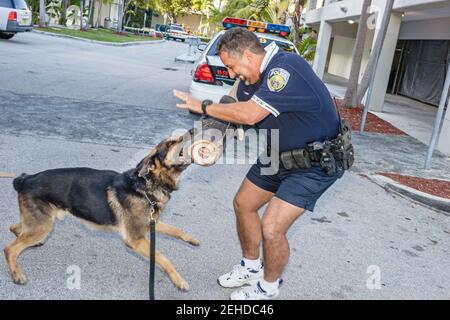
<point x="153" y="206"/>
<point x="164" y="186"/>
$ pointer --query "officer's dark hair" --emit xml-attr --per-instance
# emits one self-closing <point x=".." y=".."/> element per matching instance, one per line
<point x="236" y="40"/>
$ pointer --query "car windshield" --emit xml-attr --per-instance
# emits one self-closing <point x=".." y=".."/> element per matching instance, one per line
<point x="176" y="28"/>
<point x="264" y="41"/>
<point x="6" y="3"/>
<point x="20" y="4"/>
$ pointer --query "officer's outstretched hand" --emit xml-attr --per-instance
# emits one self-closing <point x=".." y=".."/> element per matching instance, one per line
<point x="190" y="103"/>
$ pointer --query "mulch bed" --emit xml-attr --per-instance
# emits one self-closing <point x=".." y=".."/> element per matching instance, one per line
<point x="373" y="123"/>
<point x="438" y="188"/>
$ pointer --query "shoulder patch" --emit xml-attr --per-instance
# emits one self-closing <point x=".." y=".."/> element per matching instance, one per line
<point x="277" y="79"/>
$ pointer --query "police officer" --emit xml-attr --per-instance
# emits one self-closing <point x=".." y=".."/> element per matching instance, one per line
<point x="278" y="90"/>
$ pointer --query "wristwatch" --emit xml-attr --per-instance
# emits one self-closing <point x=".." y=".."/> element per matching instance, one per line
<point x="205" y="104"/>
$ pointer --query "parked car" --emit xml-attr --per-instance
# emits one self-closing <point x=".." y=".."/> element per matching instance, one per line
<point x="210" y="79"/>
<point x="176" y="31"/>
<point x="14" y="17"/>
<point x="161" y="27"/>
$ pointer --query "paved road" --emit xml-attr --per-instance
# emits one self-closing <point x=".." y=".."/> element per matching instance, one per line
<point x="66" y="103"/>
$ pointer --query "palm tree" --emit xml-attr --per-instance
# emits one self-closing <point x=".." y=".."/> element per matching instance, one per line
<point x="64" y="5"/>
<point x="53" y="10"/>
<point x="42" y="22"/>
<point x="276" y="11"/>
<point x="298" y="6"/>
<point x="307" y="48"/>
<point x="238" y="8"/>
<point x="350" y="99"/>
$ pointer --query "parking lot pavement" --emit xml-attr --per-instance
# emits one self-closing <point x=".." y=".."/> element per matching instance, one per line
<point x="360" y="243"/>
<point x="142" y="75"/>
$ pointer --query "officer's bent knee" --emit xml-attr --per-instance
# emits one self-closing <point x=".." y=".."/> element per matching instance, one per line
<point x="271" y="232"/>
<point x="241" y="205"/>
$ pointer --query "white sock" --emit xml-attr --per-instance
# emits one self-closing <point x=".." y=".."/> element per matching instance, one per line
<point x="252" y="264"/>
<point x="269" y="286"/>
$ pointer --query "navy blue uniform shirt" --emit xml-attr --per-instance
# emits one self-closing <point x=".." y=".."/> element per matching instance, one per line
<point x="300" y="105"/>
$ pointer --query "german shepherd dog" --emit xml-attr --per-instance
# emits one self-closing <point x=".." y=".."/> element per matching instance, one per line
<point x="105" y="200"/>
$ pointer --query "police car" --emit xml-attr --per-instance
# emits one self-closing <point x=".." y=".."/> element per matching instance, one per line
<point x="176" y="31"/>
<point x="14" y="17"/>
<point x="210" y="79"/>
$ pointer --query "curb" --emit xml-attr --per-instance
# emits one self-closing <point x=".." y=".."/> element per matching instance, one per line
<point x="186" y="58"/>
<point x="111" y="44"/>
<point x="437" y="203"/>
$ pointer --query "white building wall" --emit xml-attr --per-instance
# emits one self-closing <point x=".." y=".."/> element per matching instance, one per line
<point x="431" y="29"/>
<point x="350" y="9"/>
<point x="341" y="55"/>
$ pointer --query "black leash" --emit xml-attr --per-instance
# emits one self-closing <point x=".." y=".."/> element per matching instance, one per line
<point x="152" y="258"/>
<point x="151" y="285"/>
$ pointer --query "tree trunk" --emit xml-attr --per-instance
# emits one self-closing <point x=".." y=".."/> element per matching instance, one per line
<point x="364" y="85"/>
<point x="99" y="14"/>
<point x="42" y="22"/>
<point x="283" y="18"/>
<point x="63" y="14"/>
<point x="358" y="51"/>
<point x="120" y="18"/>
<point x="81" y="13"/>
<point x="91" y="13"/>
<point x="129" y="16"/>
<point x="296" y="22"/>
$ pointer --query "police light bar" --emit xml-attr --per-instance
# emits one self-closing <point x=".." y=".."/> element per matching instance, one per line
<point x="259" y="26"/>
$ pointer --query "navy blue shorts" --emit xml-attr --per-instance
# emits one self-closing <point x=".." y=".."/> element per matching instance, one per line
<point x="299" y="187"/>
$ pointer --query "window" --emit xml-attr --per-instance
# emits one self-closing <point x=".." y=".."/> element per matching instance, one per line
<point x="176" y="28"/>
<point x="6" y="3"/>
<point x="20" y="4"/>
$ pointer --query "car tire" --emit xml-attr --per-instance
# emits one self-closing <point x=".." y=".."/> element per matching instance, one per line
<point x="183" y="40"/>
<point x="7" y="36"/>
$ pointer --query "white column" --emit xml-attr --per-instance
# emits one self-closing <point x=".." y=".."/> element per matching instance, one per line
<point x="445" y="133"/>
<point x="444" y="137"/>
<point x="323" y="44"/>
<point x="384" y="67"/>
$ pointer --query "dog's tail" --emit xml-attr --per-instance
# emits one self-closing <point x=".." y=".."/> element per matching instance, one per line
<point x="18" y="182"/>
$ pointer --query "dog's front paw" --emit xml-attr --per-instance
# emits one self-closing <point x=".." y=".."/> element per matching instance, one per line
<point x="19" y="278"/>
<point x="191" y="240"/>
<point x="182" y="284"/>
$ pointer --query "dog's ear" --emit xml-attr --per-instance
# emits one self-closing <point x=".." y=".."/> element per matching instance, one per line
<point x="148" y="163"/>
<point x="156" y="156"/>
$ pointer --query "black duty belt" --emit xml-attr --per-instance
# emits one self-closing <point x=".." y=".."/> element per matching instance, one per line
<point x="328" y="154"/>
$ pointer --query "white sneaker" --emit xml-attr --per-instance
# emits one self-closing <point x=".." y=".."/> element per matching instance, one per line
<point x="255" y="292"/>
<point x="241" y="275"/>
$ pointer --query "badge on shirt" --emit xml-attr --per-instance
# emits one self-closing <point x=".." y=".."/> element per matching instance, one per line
<point x="277" y="79"/>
